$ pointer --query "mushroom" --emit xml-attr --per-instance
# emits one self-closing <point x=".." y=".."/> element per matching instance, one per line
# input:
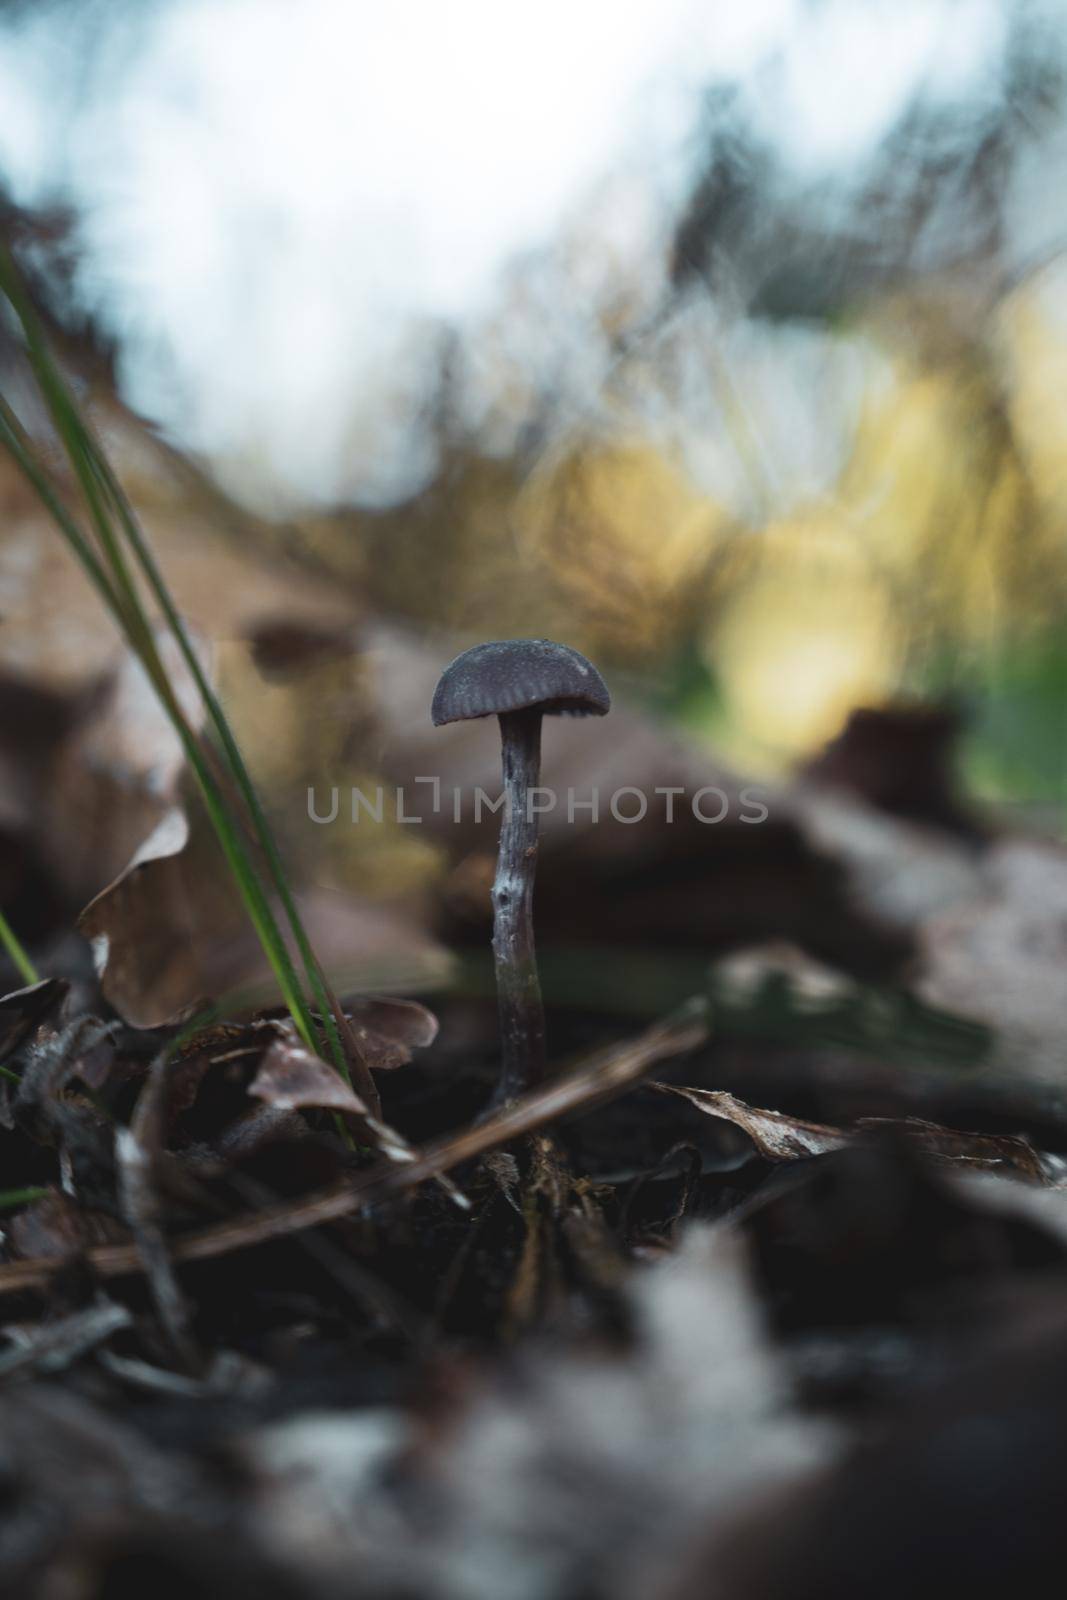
<point x="519" y="681"/>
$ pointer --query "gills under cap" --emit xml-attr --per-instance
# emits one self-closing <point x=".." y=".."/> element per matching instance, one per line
<point x="519" y="675"/>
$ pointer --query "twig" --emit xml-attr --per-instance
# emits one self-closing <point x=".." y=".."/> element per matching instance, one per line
<point x="54" y="1345"/>
<point x="137" y="1152"/>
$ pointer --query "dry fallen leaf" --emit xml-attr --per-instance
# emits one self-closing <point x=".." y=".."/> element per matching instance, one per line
<point x="779" y="1137"/>
<point x="388" y="1030"/>
<point x="776" y="1136"/>
<point x="988" y="1151"/>
<point x="85" y="776"/>
<point x="148" y="961"/>
<point x="23" y="1010"/>
<point x="170" y="931"/>
<point x="290" y="1076"/>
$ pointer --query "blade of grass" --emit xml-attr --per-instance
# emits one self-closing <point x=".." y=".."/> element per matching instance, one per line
<point x="261" y="827"/>
<point x="125" y="605"/>
<point x="11" y="944"/>
<point x="64" y="414"/>
<point x="92" y="469"/>
<point x="248" y="886"/>
<point x="95" y="473"/>
<point x="14" y="440"/>
<point x="9" y="1198"/>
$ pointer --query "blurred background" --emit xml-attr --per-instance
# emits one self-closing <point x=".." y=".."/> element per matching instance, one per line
<point x="726" y="343"/>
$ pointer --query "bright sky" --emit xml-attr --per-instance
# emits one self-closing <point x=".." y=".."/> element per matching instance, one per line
<point x="284" y="199"/>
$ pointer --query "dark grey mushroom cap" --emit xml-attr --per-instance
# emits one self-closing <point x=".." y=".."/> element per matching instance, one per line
<point x="516" y="675"/>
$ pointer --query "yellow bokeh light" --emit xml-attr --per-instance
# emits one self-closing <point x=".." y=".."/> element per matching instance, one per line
<point x="623" y="531"/>
<point x="795" y="652"/>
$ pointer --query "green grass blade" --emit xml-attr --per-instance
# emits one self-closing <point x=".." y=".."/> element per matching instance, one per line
<point x="124" y="602"/>
<point x="261" y="827"/>
<point x="64" y="414"/>
<point x="10" y="1198"/>
<point x="97" y="479"/>
<point x="14" y="440"/>
<point x="12" y="436"/>
<point x="27" y="970"/>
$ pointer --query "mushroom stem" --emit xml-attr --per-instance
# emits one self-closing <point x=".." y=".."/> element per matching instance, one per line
<point x="522" y="1014"/>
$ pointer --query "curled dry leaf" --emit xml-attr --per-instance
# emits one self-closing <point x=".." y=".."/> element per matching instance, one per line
<point x="779" y="1137"/>
<point x="171" y="930"/>
<point x="388" y="1030"/>
<point x="988" y="1151"/>
<point x="40" y="1102"/>
<point x="776" y="1136"/>
<point x="23" y="1010"/>
<point x="86" y="771"/>
<point x="120" y="773"/>
<point x="290" y="1076"/>
<point x="138" y="928"/>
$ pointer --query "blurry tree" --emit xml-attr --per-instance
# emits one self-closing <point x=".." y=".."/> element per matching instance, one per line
<point x="818" y="460"/>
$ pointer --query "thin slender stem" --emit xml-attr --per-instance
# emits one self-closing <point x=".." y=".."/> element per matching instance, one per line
<point x="100" y="486"/>
<point x="236" y="761"/>
<point x="8" y="938"/>
<point x="522" y="1014"/>
<point x="139" y="636"/>
<point x="13" y="438"/>
<point x="117" y="585"/>
<point x="9" y="1198"/>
